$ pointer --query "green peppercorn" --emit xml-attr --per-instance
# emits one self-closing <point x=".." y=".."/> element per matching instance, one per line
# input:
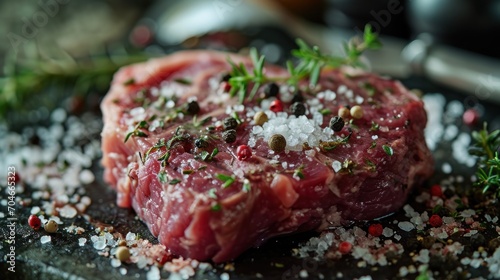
<point x="122" y="253"/>
<point x="337" y="123"/>
<point x="200" y="143"/>
<point x="298" y="109"/>
<point x="260" y="118"/>
<point x="193" y="107"/>
<point x="277" y="143"/>
<point x="271" y="90"/>
<point x="230" y="123"/>
<point x="50" y="226"/>
<point x="229" y="135"/>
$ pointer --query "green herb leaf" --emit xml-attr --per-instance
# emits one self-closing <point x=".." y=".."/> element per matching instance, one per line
<point x="212" y="193"/>
<point x="174" y="181"/>
<point x="216" y="207"/>
<point x="128" y="82"/>
<point x="388" y="150"/>
<point x="183" y="81"/>
<point x="227" y="180"/>
<point x="162" y="177"/>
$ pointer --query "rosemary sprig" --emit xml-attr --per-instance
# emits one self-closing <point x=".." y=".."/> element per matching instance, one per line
<point x="26" y="77"/>
<point x="310" y="62"/>
<point x="486" y="148"/>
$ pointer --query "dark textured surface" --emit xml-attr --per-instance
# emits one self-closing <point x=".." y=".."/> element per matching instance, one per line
<point x="64" y="259"/>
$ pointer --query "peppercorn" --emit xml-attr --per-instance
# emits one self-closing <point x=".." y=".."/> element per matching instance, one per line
<point x="122" y="253"/>
<point x="375" y="230"/>
<point x="272" y="90"/>
<point x="229" y="123"/>
<point x="298" y="109"/>
<point x="229" y="135"/>
<point x="243" y="152"/>
<point x="356" y="112"/>
<point x="276" y="106"/>
<point x="50" y="226"/>
<point x="193" y="107"/>
<point x="122" y="243"/>
<point x="200" y="143"/>
<point x="428" y="241"/>
<point x="337" y="123"/>
<point x="435" y="220"/>
<point x="277" y="143"/>
<point x="34" y="222"/>
<point x="470" y="117"/>
<point x="226" y="78"/>
<point x="344" y="112"/>
<point x="260" y="118"/>
<point x="436" y="191"/>
<point x="297" y="97"/>
<point x="493" y="244"/>
<point x="345" y="247"/>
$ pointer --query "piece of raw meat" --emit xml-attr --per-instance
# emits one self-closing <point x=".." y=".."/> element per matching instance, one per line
<point x="189" y="185"/>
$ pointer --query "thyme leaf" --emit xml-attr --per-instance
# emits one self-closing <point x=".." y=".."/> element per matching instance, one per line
<point x="310" y="62"/>
<point x="486" y="147"/>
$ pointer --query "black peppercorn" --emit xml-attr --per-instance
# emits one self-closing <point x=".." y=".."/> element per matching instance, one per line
<point x="193" y="108"/>
<point x="226" y="78"/>
<point x="337" y="123"/>
<point x="271" y="90"/>
<point x="230" y="123"/>
<point x="297" y="97"/>
<point x="229" y="135"/>
<point x="200" y="143"/>
<point x="298" y="109"/>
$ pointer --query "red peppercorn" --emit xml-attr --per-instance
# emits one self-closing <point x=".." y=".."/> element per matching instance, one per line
<point x="243" y="152"/>
<point x="375" y="230"/>
<point x="276" y="106"/>
<point x="436" y="191"/>
<point x="34" y="222"/>
<point x="470" y="117"/>
<point x="435" y="220"/>
<point x="345" y="247"/>
<point x="226" y="86"/>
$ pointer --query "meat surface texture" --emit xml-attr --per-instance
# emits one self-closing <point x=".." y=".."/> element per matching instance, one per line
<point x="189" y="187"/>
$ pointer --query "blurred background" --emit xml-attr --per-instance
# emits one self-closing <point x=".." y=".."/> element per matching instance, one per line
<point x="65" y="51"/>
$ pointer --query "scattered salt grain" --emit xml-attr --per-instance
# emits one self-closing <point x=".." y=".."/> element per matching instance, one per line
<point x="153" y="273"/>
<point x="35" y="210"/>
<point x="303" y="273"/>
<point x="406" y="226"/>
<point x="123" y="271"/>
<point x="100" y="244"/>
<point x="224" y="276"/>
<point x="446" y="168"/>
<point x="82" y="241"/>
<point x="336" y="165"/>
<point x="86" y="176"/>
<point x="45" y="239"/>
<point x="67" y="211"/>
<point x="115" y="262"/>
<point x="130" y="236"/>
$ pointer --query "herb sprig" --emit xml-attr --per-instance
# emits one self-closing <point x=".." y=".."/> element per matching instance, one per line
<point x="486" y="148"/>
<point x="310" y="62"/>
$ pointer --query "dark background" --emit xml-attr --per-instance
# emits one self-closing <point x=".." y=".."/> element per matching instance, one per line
<point x="72" y="31"/>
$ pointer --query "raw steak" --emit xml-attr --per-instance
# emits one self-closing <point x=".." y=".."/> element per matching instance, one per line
<point x="168" y="171"/>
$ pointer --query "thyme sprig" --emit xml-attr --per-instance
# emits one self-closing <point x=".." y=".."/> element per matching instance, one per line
<point x="310" y="62"/>
<point x="486" y="148"/>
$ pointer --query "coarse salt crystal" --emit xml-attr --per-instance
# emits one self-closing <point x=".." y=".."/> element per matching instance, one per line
<point x="336" y="165"/>
<point x="153" y="273"/>
<point x="115" y="262"/>
<point x="67" y="211"/>
<point x="100" y="245"/>
<point x="130" y="236"/>
<point x="224" y="276"/>
<point x="82" y="241"/>
<point x="406" y="226"/>
<point x="45" y="239"/>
